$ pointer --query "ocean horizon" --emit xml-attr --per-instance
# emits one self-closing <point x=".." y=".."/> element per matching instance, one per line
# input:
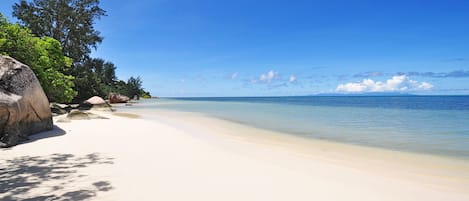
<point x="436" y="125"/>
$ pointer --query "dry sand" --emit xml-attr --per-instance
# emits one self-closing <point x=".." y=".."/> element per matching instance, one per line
<point x="185" y="156"/>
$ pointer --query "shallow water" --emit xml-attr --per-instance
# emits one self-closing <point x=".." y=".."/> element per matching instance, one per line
<point x="424" y="124"/>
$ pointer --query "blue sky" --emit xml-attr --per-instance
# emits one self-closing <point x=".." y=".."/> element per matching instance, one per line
<point x="265" y="48"/>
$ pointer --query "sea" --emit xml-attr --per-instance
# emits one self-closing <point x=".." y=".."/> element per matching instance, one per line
<point x="436" y="125"/>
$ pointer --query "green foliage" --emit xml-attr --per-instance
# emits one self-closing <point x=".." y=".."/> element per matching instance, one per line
<point x="134" y="86"/>
<point x="119" y="87"/>
<point x="71" y="24"/>
<point x="88" y="80"/>
<point x="145" y="94"/>
<point x="69" y="21"/>
<point x="61" y="88"/>
<point x="109" y="74"/>
<point x="96" y="77"/>
<point x="43" y="55"/>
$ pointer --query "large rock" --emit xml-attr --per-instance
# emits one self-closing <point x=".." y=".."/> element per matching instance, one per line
<point x="59" y="109"/>
<point x="118" y="98"/>
<point x="78" y="115"/>
<point x="24" y="108"/>
<point x="95" y="100"/>
<point x="95" y="103"/>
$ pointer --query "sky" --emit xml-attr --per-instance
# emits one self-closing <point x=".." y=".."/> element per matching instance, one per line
<point x="188" y="48"/>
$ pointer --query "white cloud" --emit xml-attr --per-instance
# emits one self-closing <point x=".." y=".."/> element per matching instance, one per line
<point x="234" y="75"/>
<point x="425" y="86"/>
<point x="351" y="87"/>
<point x="269" y="76"/>
<point x="292" y="78"/>
<point x="398" y="83"/>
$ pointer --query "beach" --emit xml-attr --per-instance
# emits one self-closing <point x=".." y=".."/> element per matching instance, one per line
<point x="190" y="156"/>
<point x="234" y="100"/>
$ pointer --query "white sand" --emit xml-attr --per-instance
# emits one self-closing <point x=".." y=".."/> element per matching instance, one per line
<point x="183" y="156"/>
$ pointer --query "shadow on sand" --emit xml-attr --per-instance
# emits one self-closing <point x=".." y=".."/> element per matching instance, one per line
<point x="50" y="177"/>
<point x="55" y="132"/>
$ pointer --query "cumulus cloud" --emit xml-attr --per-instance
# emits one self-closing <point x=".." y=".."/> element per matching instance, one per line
<point x="269" y="76"/>
<point x="292" y="78"/>
<point x="398" y="83"/>
<point x="273" y="80"/>
<point x="425" y="86"/>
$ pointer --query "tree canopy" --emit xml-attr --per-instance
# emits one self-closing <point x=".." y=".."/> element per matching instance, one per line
<point x="62" y="35"/>
<point x="43" y="55"/>
<point x="69" y="21"/>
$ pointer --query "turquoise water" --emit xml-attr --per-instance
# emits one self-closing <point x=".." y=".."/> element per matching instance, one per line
<point x="424" y="124"/>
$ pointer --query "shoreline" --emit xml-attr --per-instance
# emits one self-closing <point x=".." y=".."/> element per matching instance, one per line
<point x="430" y="132"/>
<point x="298" y="136"/>
<point x="181" y="156"/>
<point x="412" y="164"/>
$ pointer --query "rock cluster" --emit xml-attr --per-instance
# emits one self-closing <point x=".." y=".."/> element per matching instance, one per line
<point x="94" y="103"/>
<point x="79" y="111"/>
<point x="25" y="109"/>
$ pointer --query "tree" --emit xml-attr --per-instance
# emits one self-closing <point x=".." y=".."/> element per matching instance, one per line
<point x="88" y="79"/>
<point x="43" y="55"/>
<point x="134" y="86"/>
<point x="109" y="74"/>
<point x="96" y="77"/>
<point x="71" y="22"/>
<point x="145" y="94"/>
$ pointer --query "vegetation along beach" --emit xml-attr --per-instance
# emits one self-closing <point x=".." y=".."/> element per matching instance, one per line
<point x="234" y="100"/>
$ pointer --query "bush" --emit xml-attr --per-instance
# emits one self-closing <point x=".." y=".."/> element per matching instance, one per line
<point x="43" y="55"/>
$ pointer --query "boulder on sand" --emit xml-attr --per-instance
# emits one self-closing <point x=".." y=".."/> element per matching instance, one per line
<point x="59" y="109"/>
<point x="118" y="98"/>
<point x="24" y="108"/>
<point x="78" y="115"/>
<point x="95" y="100"/>
<point x="96" y="103"/>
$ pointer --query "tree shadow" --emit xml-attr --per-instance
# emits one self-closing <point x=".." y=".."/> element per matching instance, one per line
<point x="53" y="176"/>
<point x="55" y="132"/>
